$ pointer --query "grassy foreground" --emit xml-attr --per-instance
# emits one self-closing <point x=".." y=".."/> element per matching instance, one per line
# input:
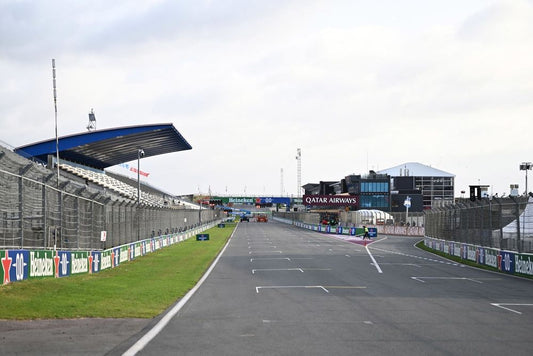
<point x="141" y="288"/>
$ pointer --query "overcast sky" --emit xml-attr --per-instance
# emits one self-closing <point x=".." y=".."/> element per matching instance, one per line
<point x="357" y="85"/>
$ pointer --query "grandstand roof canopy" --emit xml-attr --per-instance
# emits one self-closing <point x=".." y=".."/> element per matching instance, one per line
<point x="105" y="148"/>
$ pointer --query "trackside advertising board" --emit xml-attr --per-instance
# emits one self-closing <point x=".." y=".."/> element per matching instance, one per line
<point x="20" y="264"/>
<point x="337" y="230"/>
<point x="505" y="261"/>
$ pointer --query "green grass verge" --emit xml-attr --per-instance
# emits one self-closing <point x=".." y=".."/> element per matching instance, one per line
<point x="421" y="246"/>
<point x="141" y="288"/>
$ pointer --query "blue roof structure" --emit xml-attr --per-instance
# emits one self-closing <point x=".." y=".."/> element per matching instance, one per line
<point x="105" y="148"/>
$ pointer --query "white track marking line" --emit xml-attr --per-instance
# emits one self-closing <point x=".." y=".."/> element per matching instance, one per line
<point x="501" y="305"/>
<point x="277" y="269"/>
<point x="258" y="288"/>
<point x="373" y="260"/>
<point x="152" y="333"/>
<point x="422" y="279"/>
<point x="269" y="258"/>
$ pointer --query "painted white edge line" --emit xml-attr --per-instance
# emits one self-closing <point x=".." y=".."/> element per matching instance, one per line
<point x="373" y="260"/>
<point x="143" y="341"/>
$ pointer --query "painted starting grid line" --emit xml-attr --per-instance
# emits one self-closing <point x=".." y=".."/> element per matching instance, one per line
<point x="421" y="258"/>
<point x="277" y="269"/>
<point x="289" y="269"/>
<point x="324" y="288"/>
<point x="504" y="306"/>
<point x="422" y="279"/>
<point x="270" y="258"/>
<point x="279" y="258"/>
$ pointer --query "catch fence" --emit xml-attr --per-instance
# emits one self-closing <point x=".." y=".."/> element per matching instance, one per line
<point x="501" y="223"/>
<point x="36" y="212"/>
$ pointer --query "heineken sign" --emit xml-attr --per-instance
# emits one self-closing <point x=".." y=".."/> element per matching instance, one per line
<point x="330" y="200"/>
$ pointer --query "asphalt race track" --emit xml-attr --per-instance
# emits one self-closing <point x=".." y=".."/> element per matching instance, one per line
<point x="280" y="290"/>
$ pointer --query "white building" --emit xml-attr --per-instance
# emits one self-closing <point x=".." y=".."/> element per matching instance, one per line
<point x="437" y="186"/>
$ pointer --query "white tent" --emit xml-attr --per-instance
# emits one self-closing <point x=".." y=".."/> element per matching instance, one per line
<point x="526" y="222"/>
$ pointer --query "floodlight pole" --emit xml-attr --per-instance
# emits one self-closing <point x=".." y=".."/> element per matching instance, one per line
<point x="525" y="166"/>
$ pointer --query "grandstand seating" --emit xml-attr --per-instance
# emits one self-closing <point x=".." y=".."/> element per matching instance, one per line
<point x="15" y="164"/>
<point x="108" y="182"/>
<point x="123" y="189"/>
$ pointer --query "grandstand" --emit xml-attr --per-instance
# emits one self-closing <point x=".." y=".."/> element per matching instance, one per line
<point x="41" y="209"/>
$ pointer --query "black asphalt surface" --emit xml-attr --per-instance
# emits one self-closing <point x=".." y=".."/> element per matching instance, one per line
<point x="280" y="290"/>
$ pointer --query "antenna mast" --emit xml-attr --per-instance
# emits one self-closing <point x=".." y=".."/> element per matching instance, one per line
<point x="55" y="111"/>
<point x="299" y="172"/>
<point x="281" y="183"/>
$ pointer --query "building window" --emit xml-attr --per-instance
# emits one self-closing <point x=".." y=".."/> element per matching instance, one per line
<point x="374" y="187"/>
<point x="373" y="201"/>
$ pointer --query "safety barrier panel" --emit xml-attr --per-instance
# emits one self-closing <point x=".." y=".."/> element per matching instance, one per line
<point x="21" y="264"/>
<point x="328" y="229"/>
<point x="505" y="261"/>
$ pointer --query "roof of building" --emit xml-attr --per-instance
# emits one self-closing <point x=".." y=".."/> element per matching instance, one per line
<point x="105" y="148"/>
<point x="415" y="169"/>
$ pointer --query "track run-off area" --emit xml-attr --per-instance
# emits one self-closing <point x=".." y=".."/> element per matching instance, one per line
<point x="280" y="290"/>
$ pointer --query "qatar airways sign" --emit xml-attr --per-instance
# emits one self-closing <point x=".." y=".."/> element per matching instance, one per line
<point x="331" y="200"/>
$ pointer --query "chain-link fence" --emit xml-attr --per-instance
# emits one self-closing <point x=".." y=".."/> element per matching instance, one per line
<point x="496" y="222"/>
<point x="37" y="212"/>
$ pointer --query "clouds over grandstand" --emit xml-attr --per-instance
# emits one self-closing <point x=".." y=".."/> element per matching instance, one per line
<point x="356" y="85"/>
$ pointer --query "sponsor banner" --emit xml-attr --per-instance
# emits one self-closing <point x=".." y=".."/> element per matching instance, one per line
<point x="352" y="231"/>
<point x="15" y="265"/>
<point x="106" y="259"/>
<point x="372" y="232"/>
<point x="41" y="264"/>
<point x="124" y="254"/>
<point x="471" y="253"/>
<point x="79" y="263"/>
<point x="464" y="251"/>
<point x="456" y="249"/>
<point x="115" y="257"/>
<point x="339" y="230"/>
<point x="131" y="252"/>
<point x="62" y="263"/>
<point x="94" y="261"/>
<point x="491" y="257"/>
<point x="330" y="200"/>
<point x="506" y="261"/>
<point x="273" y="200"/>
<point x="328" y="229"/>
<point x="480" y="255"/>
<point x="524" y="264"/>
<point x="202" y="237"/>
<point x="241" y="200"/>
<point x="446" y="247"/>
<point x="138" y="250"/>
